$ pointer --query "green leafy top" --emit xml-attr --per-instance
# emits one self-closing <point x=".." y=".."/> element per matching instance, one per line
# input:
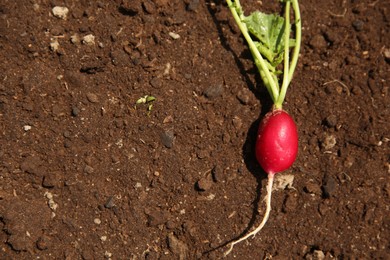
<point x="271" y="40"/>
<point x="269" y="29"/>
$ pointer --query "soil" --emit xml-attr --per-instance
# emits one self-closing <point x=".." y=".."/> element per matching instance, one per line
<point x="85" y="173"/>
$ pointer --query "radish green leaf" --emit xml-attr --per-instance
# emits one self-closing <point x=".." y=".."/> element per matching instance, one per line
<point x="269" y="29"/>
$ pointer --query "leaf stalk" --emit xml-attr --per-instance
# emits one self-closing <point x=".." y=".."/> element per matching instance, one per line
<point x="271" y="83"/>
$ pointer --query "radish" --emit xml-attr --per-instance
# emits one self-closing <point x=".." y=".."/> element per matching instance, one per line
<point x="277" y="142"/>
<point x="277" y="138"/>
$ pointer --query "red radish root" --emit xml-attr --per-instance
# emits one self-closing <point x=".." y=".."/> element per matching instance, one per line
<point x="276" y="150"/>
<point x="277" y="141"/>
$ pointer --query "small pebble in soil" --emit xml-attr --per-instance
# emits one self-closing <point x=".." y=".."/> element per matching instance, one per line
<point x="60" y="12"/>
<point x="313" y="188"/>
<point x="193" y="5"/>
<point x="97" y="221"/>
<point x="130" y="8"/>
<point x="29" y="106"/>
<point x="57" y="30"/>
<point x="323" y="208"/>
<point x="331" y="121"/>
<point x="318" y="42"/>
<point x="51" y="179"/>
<point x="352" y="60"/>
<point x="167" y="138"/>
<point x="36" y="7"/>
<point x="168" y="119"/>
<point x="358" y="25"/>
<point x="51" y="203"/>
<point x="156" y="82"/>
<point x="54" y="44"/>
<point x="349" y="161"/>
<point x="75" y="111"/>
<point x="88" y="169"/>
<point x="386" y="53"/>
<point x="226" y="138"/>
<point x="110" y="202"/>
<point x="149" y="6"/>
<point x="89" y="39"/>
<point x="178" y="247"/>
<point x="155" y="217"/>
<point x="332" y="37"/>
<point x="57" y="110"/>
<point x="201" y="154"/>
<point x="174" y="35"/>
<point x="115" y="159"/>
<point x="204" y="183"/>
<point x="119" y="57"/>
<point x="83" y="29"/>
<point x="329" y="142"/>
<point x="67" y="143"/>
<point x="170" y="224"/>
<point x="93" y="98"/>
<point x="316" y="255"/>
<point x="216" y="173"/>
<point x="42" y="243"/>
<point x="213" y="91"/>
<point x="27" y="128"/>
<point x="244" y="96"/>
<point x="237" y="122"/>
<point x="331" y="89"/>
<point x="329" y="187"/>
<point x="290" y="203"/>
<point x="357" y="91"/>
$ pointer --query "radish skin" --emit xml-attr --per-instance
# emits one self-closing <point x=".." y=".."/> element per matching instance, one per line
<point x="276" y="150"/>
<point x="277" y="141"/>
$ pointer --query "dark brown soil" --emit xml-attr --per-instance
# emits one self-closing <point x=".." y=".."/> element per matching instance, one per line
<point x="86" y="174"/>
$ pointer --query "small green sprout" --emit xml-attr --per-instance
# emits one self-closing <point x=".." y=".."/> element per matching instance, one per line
<point x="146" y="100"/>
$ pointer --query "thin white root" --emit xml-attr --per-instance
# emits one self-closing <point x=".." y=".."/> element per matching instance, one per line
<point x="265" y="218"/>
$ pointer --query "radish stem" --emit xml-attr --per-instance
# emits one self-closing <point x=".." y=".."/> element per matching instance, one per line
<point x="271" y="85"/>
<point x="265" y="218"/>
<point x="298" y="37"/>
<point x="297" y="47"/>
<point x="286" y="80"/>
